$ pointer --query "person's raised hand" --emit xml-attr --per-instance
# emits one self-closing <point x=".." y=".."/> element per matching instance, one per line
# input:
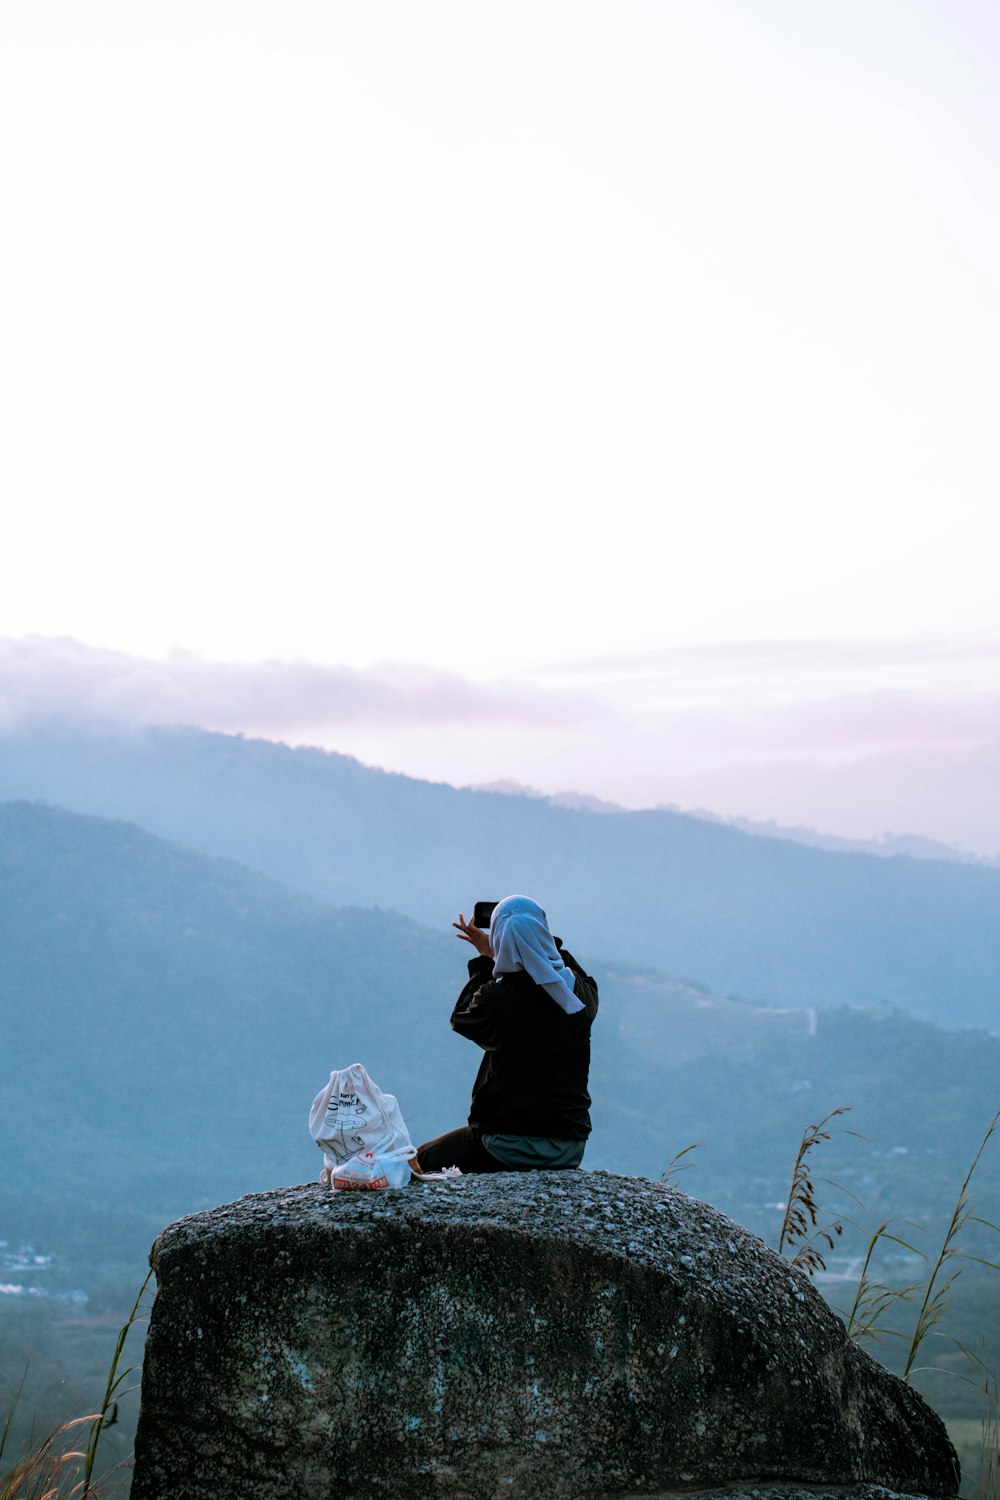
<point x="470" y="933"/>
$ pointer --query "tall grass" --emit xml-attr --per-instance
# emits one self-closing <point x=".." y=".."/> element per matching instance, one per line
<point x="873" y="1300"/>
<point x="112" y="1389"/>
<point x="50" y="1471"/>
<point x="43" y="1472"/>
<point x="804" y="1236"/>
<point x="676" y="1165"/>
<point x="951" y="1261"/>
<point x="801" y="1232"/>
<point x="989" y="1463"/>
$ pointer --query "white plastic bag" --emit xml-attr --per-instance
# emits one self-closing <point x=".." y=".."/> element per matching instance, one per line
<point x="368" y="1170"/>
<point x="351" y="1117"/>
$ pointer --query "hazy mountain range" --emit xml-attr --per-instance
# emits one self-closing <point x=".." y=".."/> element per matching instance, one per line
<point x="761" y="917"/>
<point x="914" y="845"/>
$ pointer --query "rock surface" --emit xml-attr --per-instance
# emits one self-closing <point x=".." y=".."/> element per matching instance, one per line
<point x="538" y="1336"/>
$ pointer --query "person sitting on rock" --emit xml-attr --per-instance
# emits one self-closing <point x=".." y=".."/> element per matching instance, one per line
<point x="530" y="1007"/>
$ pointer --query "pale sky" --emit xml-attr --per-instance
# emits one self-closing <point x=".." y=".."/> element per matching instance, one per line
<point x="600" y="395"/>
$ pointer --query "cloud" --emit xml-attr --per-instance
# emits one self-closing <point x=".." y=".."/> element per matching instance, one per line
<point x="850" y="762"/>
<point x="887" y="720"/>
<point x="948" y="795"/>
<point x="826" y="701"/>
<point x="837" y="728"/>
<point x="43" y="677"/>
<point x="770" y="659"/>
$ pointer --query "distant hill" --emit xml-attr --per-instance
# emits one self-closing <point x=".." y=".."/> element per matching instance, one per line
<point x="167" y="1018"/>
<point x="888" y="846"/>
<point x="766" y="918"/>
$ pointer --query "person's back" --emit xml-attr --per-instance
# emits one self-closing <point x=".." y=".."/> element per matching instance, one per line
<point x="534" y="1075"/>
<point x="530" y="1007"/>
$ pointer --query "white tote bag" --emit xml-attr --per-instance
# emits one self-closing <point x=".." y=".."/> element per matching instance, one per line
<point x="351" y="1116"/>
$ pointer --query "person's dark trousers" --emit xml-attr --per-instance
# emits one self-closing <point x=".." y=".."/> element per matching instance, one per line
<point x="458" y="1148"/>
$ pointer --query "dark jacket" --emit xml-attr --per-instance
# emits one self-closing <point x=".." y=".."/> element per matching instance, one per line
<point x="533" y="1077"/>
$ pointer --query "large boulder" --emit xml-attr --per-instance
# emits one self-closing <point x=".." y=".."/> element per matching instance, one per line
<point x="533" y="1336"/>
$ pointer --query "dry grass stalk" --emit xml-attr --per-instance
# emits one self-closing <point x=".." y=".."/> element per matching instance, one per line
<point x="41" y="1474"/>
<point x="951" y="1260"/>
<point x="112" y="1389"/>
<point x="676" y="1165"/>
<point x="801" y="1217"/>
<point x="873" y="1299"/>
<point x="988" y="1486"/>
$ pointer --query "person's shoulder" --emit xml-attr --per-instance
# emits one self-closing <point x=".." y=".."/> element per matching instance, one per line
<point x="585" y="989"/>
<point x="571" y="962"/>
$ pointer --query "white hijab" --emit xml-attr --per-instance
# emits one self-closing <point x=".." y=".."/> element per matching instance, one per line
<point x="520" y="939"/>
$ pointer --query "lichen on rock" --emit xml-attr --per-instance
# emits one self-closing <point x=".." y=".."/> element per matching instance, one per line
<point x="566" y="1335"/>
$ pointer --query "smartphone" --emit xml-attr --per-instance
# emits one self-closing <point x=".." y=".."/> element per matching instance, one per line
<point x="483" y="912"/>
